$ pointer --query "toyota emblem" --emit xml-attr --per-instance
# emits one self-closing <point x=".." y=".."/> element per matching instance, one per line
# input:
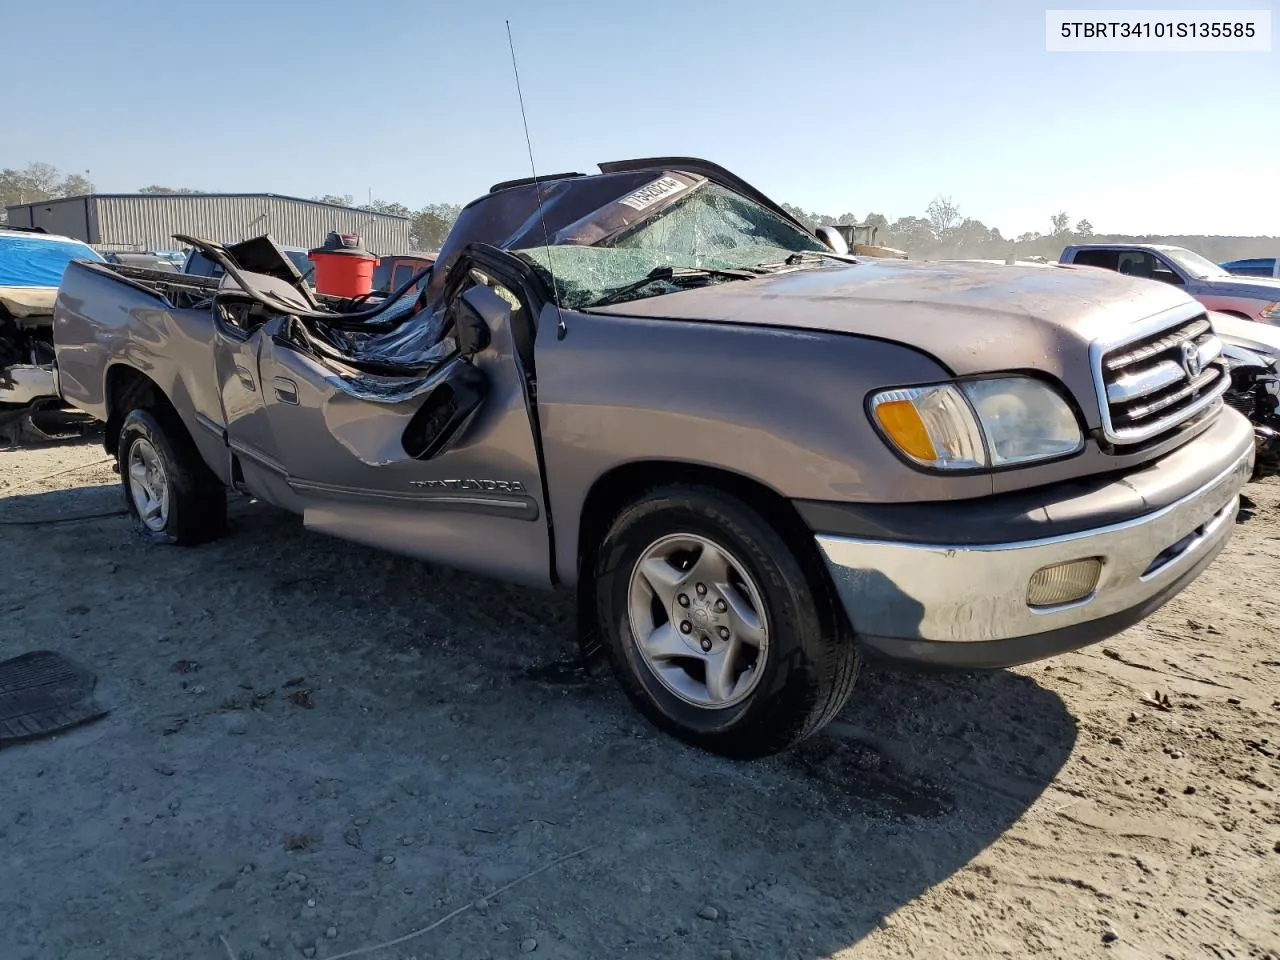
<point x="1191" y="359"/>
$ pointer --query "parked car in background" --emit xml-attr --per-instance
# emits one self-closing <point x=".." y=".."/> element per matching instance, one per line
<point x="393" y="272"/>
<point x="752" y="456"/>
<point x="31" y="267"/>
<point x="1253" y="298"/>
<point x="1255" y="267"/>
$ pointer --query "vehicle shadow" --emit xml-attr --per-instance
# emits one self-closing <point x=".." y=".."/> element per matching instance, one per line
<point x="33" y="509"/>
<point x="444" y="706"/>
<point x="922" y="771"/>
<point x="22" y="428"/>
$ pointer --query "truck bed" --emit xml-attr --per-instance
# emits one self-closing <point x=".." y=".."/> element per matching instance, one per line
<point x="117" y="312"/>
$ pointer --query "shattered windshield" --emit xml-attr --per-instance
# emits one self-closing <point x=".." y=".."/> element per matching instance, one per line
<point x="712" y="229"/>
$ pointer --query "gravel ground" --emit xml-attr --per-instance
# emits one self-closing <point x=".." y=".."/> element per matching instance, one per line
<point x="314" y="748"/>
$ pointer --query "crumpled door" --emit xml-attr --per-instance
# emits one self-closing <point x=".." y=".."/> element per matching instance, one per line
<point x="244" y="413"/>
<point x="478" y="505"/>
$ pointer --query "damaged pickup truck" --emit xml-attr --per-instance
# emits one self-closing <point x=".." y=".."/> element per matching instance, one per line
<point x="31" y="265"/>
<point x="752" y="456"/>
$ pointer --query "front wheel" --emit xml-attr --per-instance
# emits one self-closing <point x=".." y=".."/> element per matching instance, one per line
<point x="172" y="496"/>
<point x="717" y="630"/>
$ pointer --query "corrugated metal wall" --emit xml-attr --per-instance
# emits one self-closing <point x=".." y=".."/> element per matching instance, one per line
<point x="149" y="222"/>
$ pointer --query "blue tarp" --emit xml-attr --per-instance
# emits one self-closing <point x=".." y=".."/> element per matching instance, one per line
<point x="35" y="261"/>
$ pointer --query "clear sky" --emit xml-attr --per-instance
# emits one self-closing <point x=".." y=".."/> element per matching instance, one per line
<point x="836" y="106"/>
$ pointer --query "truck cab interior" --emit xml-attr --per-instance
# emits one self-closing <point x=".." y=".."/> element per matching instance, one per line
<point x="1140" y="263"/>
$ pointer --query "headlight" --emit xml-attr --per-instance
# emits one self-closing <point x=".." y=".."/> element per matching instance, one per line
<point x="973" y="424"/>
<point x="1270" y="312"/>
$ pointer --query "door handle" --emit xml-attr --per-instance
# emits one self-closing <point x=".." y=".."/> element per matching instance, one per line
<point x="246" y="378"/>
<point x="286" y="390"/>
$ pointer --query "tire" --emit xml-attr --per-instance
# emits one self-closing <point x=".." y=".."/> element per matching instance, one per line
<point x="800" y="668"/>
<point x="193" y="502"/>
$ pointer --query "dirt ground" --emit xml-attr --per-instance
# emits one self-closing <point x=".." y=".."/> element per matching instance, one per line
<point x="314" y="747"/>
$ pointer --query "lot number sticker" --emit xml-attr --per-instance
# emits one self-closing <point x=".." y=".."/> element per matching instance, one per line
<point x="650" y="194"/>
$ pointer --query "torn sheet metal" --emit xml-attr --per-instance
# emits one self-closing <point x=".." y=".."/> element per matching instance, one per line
<point x="404" y="347"/>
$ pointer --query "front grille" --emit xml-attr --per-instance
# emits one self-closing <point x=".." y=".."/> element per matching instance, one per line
<point x="1160" y="376"/>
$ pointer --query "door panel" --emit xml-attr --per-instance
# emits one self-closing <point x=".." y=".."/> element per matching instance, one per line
<point x="478" y="505"/>
<point x="244" y="413"/>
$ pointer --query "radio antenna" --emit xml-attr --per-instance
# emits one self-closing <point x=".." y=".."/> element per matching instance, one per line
<point x="537" y="189"/>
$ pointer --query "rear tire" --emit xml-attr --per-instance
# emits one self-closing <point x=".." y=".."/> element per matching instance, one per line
<point x="717" y="630"/>
<point x="170" y="492"/>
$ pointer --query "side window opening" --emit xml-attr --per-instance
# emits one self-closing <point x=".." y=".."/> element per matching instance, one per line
<point x="1107" y="259"/>
<point x="401" y="276"/>
<point x="1136" y="263"/>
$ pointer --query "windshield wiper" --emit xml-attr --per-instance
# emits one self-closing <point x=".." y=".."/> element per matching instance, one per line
<point x="803" y="257"/>
<point x="677" y="275"/>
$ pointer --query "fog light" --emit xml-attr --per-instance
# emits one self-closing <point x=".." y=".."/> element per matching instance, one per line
<point x="1064" y="582"/>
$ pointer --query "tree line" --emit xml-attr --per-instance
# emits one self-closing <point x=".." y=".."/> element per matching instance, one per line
<point x="943" y="232"/>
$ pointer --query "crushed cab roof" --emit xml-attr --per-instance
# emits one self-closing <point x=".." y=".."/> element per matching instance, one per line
<point x="584" y="209"/>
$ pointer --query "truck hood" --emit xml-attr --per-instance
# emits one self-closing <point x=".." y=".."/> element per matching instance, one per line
<point x="972" y="317"/>
<point x="1260" y="288"/>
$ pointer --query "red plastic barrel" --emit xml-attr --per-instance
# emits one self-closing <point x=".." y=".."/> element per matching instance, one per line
<point x="344" y="268"/>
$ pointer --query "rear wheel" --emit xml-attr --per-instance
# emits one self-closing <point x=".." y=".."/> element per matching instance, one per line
<point x="716" y="629"/>
<point x="170" y="492"/>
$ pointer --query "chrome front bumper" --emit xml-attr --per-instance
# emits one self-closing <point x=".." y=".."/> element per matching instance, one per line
<point x="924" y="601"/>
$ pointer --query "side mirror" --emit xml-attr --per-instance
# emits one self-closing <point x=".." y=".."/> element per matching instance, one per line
<point x="833" y="239"/>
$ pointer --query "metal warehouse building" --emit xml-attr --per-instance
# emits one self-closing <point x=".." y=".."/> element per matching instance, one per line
<point x="146" y="221"/>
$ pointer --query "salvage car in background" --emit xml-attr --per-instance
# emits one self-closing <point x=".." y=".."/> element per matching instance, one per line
<point x="1252" y="354"/>
<point x="752" y="456"/>
<point x="31" y="267"/>
<point x="1253" y="298"/>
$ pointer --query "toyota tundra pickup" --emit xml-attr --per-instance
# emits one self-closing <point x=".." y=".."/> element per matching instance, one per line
<point x="753" y="456"/>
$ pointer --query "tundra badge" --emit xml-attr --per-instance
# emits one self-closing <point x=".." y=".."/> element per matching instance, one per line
<point x="487" y="486"/>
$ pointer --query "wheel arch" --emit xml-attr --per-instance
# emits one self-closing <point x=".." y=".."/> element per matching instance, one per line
<point x="625" y="483"/>
<point x="126" y="388"/>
